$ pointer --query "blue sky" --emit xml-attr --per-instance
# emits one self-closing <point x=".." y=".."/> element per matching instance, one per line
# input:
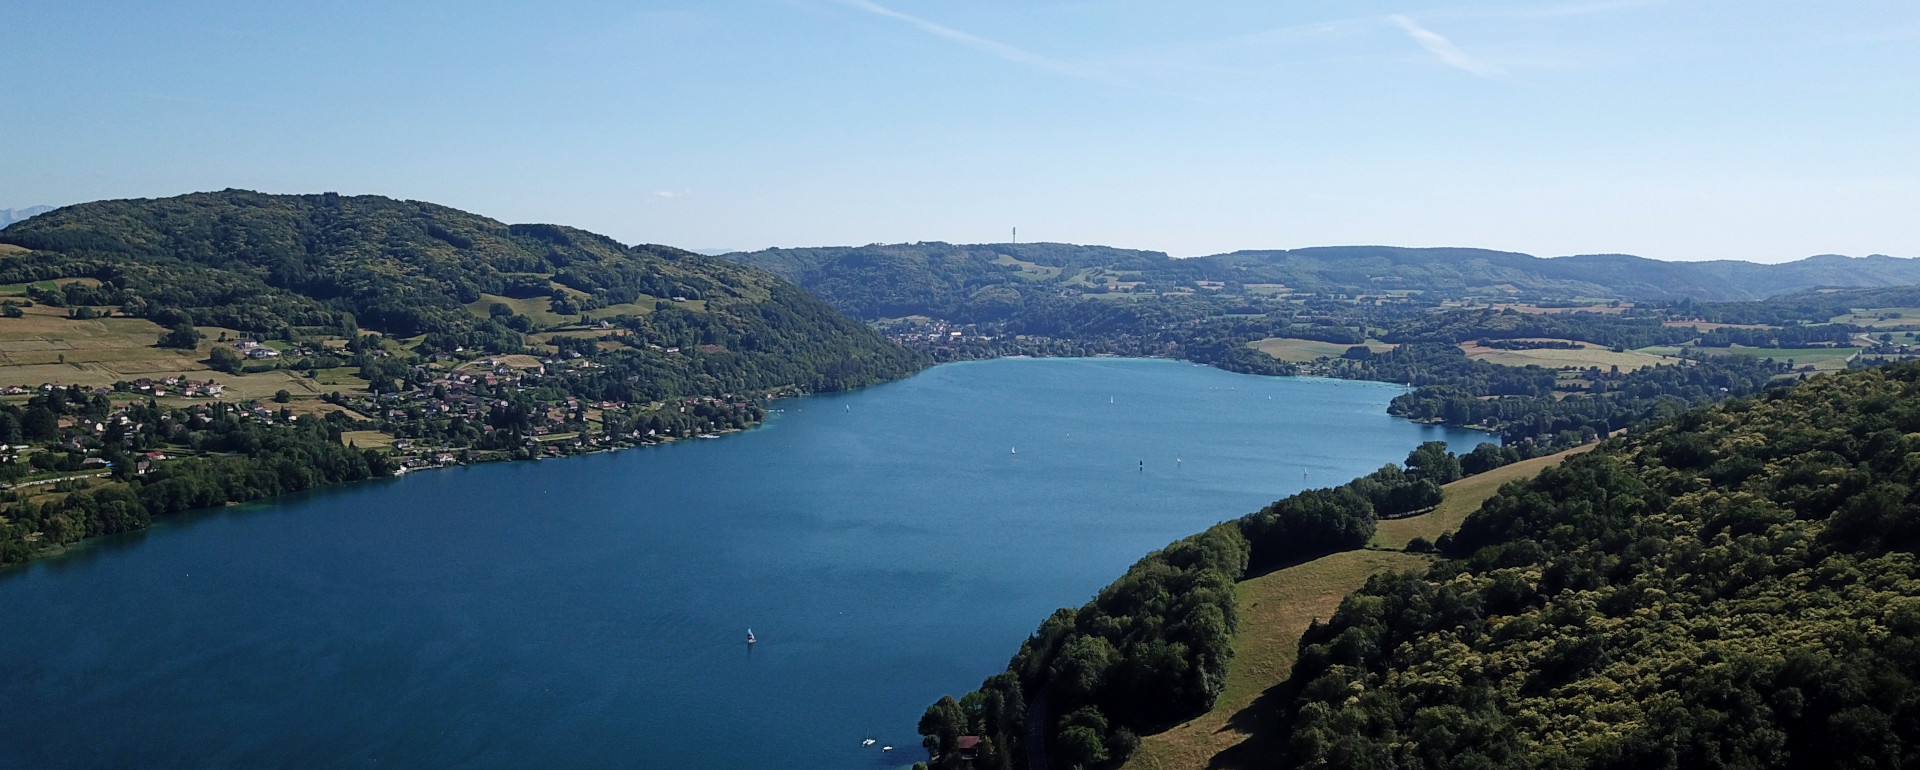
<point x="1675" y="129"/>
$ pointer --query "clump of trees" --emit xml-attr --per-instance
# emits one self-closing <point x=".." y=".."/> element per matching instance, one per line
<point x="1150" y="649"/>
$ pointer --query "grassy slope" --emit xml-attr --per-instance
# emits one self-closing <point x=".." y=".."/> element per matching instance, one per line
<point x="1276" y="608"/>
<point x="1462" y="498"/>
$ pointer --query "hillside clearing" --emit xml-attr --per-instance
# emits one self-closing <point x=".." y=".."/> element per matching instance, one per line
<point x="540" y="309"/>
<point x="1276" y="609"/>
<point x="1881" y="317"/>
<point x="1460" y="499"/>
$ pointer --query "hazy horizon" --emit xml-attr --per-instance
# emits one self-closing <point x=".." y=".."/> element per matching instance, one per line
<point x="1669" y="129"/>
<point x="714" y="252"/>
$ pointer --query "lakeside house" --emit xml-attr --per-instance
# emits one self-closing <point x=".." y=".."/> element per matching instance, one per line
<point x="967" y="746"/>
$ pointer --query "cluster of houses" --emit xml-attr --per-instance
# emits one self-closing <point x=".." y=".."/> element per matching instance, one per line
<point x="935" y="332"/>
<point x="176" y="386"/>
<point x="256" y="350"/>
<point x="471" y="391"/>
<point x="168" y="386"/>
<point x="253" y="349"/>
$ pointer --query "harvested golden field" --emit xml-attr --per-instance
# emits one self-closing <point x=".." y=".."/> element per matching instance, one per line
<point x="1301" y="351"/>
<point x="1550" y="358"/>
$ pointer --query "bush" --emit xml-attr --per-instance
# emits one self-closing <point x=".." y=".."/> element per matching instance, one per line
<point x="182" y="336"/>
<point x="223" y="359"/>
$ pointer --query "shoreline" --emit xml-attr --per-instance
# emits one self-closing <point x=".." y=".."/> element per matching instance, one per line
<point x="40" y="556"/>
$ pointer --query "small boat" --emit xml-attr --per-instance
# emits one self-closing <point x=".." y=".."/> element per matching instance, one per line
<point x="886" y="748"/>
<point x="750" y="639"/>
<point x="1013" y="450"/>
<point x="867" y="742"/>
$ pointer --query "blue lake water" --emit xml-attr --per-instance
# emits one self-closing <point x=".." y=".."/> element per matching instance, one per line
<point x="887" y="546"/>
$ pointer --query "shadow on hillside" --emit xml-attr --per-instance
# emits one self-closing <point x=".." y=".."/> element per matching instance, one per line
<point x="1264" y="723"/>
<point x="1255" y="571"/>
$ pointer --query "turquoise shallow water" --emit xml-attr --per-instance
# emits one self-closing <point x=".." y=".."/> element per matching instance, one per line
<point x="887" y="546"/>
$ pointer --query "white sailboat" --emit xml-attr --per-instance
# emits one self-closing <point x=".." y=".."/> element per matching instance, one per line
<point x="750" y="639"/>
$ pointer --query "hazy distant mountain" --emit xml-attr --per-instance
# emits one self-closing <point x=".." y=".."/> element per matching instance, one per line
<point x="1602" y="275"/>
<point x="879" y="280"/>
<point x="10" y="216"/>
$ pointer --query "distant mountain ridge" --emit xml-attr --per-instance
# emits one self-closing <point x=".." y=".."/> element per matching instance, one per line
<point x="1621" y="275"/>
<point x="896" y="277"/>
<point x="10" y="216"/>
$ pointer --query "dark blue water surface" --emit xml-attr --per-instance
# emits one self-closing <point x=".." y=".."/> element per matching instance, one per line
<point x="887" y="546"/>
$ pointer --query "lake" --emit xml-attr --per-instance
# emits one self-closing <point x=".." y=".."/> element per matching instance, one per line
<point x="886" y="546"/>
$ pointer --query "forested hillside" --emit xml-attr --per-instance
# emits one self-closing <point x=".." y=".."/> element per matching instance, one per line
<point x="963" y="283"/>
<point x="1738" y="587"/>
<point x="281" y="264"/>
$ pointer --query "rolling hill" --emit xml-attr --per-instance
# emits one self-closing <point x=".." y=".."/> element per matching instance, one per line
<point x="967" y="282"/>
<point x="267" y="263"/>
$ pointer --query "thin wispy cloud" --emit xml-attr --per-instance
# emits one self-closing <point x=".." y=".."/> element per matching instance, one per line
<point x="993" y="47"/>
<point x="1444" y="50"/>
<point x="1564" y="10"/>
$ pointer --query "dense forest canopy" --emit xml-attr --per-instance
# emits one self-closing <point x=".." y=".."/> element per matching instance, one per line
<point x="1738" y="587"/>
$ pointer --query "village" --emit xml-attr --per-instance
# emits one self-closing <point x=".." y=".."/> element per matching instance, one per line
<point x="443" y="411"/>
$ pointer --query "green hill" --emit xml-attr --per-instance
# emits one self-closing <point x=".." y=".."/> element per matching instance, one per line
<point x="1737" y="588"/>
<point x="965" y="283"/>
<point x="269" y="263"/>
<point x="991" y="282"/>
